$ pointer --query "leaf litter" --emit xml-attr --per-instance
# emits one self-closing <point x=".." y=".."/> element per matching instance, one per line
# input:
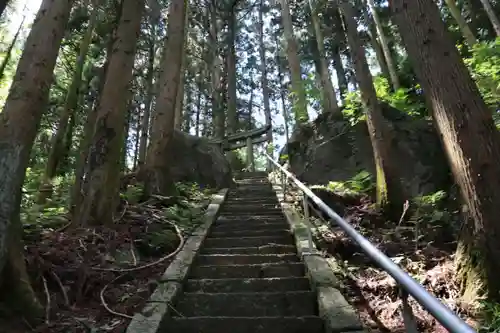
<point x="95" y="279"/>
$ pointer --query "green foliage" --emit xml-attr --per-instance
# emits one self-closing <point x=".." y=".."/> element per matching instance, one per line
<point x="301" y="114"/>
<point x="431" y="208"/>
<point x="362" y="183"/>
<point x="400" y="99"/>
<point x="133" y="193"/>
<point x="484" y="65"/>
<point x="34" y="215"/>
<point x="353" y="109"/>
<point x="491" y="313"/>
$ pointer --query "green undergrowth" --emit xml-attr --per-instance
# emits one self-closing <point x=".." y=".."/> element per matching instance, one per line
<point x="490" y="313"/>
<point x="185" y="210"/>
<point x="362" y="184"/>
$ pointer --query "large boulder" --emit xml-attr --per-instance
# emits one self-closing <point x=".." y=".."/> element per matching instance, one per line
<point x="331" y="149"/>
<point x="195" y="159"/>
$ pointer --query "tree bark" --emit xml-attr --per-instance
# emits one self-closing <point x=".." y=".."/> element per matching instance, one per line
<point x="263" y="80"/>
<point x="299" y="104"/>
<point x="179" y="101"/>
<point x="157" y="158"/>
<point x="282" y="89"/>
<point x="390" y="194"/>
<point x="232" y="112"/>
<point x="330" y="98"/>
<point x="340" y="72"/>
<point x="495" y="22"/>
<point x="101" y="190"/>
<point x="58" y="147"/>
<point x="464" y="27"/>
<point x="83" y="148"/>
<point x="145" y="124"/>
<point x="19" y="122"/>
<point x="3" y="5"/>
<point x="218" y="114"/>
<point x="469" y="137"/>
<point x="8" y="52"/>
<point x="391" y="67"/>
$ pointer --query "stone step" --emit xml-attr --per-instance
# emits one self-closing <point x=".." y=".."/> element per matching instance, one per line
<point x="292" y="303"/>
<point x="250" y="219"/>
<point x="246" y="241"/>
<point x="253" y="193"/>
<point x="248" y="226"/>
<point x="251" y="210"/>
<point x="251" y="214"/>
<point x="249" y="232"/>
<point x="249" y="196"/>
<point x="306" y="324"/>
<point x="268" y="249"/>
<point x="254" y="224"/>
<point x="244" y="259"/>
<point x="247" y="285"/>
<point x="267" y="199"/>
<point x="248" y="271"/>
<point x="252" y="205"/>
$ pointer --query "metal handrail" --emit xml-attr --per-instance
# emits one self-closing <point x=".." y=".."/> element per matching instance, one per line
<point x="436" y="308"/>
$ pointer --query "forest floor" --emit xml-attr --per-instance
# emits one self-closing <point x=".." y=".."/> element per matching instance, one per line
<point x="95" y="279"/>
<point x="425" y="251"/>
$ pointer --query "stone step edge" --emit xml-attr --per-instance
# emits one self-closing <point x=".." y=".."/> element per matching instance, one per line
<point x="247" y="293"/>
<point x="148" y="320"/>
<point x="338" y="315"/>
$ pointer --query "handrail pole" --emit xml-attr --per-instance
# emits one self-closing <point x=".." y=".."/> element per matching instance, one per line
<point x="408" y="317"/>
<point x="308" y="222"/>
<point x="434" y="306"/>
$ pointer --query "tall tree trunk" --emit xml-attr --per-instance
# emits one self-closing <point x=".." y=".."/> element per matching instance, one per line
<point x="137" y="138"/>
<point x="179" y="101"/>
<point x="233" y="121"/>
<point x="157" y="158"/>
<point x="3" y="5"/>
<point x="205" y="128"/>
<point x="187" y="115"/>
<point x="390" y="194"/>
<point x="250" y="107"/>
<point x="155" y="18"/>
<point x="477" y="15"/>
<point x="264" y="81"/>
<point x="464" y="27"/>
<point x="57" y="150"/>
<point x="340" y="72"/>
<point x="495" y="22"/>
<point x="379" y="54"/>
<point x="102" y="185"/>
<point x="88" y="130"/>
<point x="218" y="114"/>
<point x="282" y="89"/>
<point x="469" y="136"/>
<point x="330" y="98"/>
<point x="391" y="67"/>
<point x="299" y="104"/>
<point x="232" y="112"/>
<point x="19" y="122"/>
<point x="8" y="53"/>
<point x="198" y="105"/>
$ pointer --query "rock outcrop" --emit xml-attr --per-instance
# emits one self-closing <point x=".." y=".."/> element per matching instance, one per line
<point x="195" y="159"/>
<point x="331" y="149"/>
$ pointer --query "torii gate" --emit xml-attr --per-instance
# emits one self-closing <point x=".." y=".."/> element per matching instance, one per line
<point x="240" y="140"/>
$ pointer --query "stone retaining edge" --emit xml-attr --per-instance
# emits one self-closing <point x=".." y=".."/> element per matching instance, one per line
<point x="338" y="315"/>
<point x="170" y="284"/>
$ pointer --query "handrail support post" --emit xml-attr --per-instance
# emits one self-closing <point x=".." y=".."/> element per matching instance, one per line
<point x="305" y="204"/>
<point x="408" y="317"/>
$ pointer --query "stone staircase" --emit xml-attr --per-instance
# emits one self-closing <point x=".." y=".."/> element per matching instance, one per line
<point x="247" y="277"/>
